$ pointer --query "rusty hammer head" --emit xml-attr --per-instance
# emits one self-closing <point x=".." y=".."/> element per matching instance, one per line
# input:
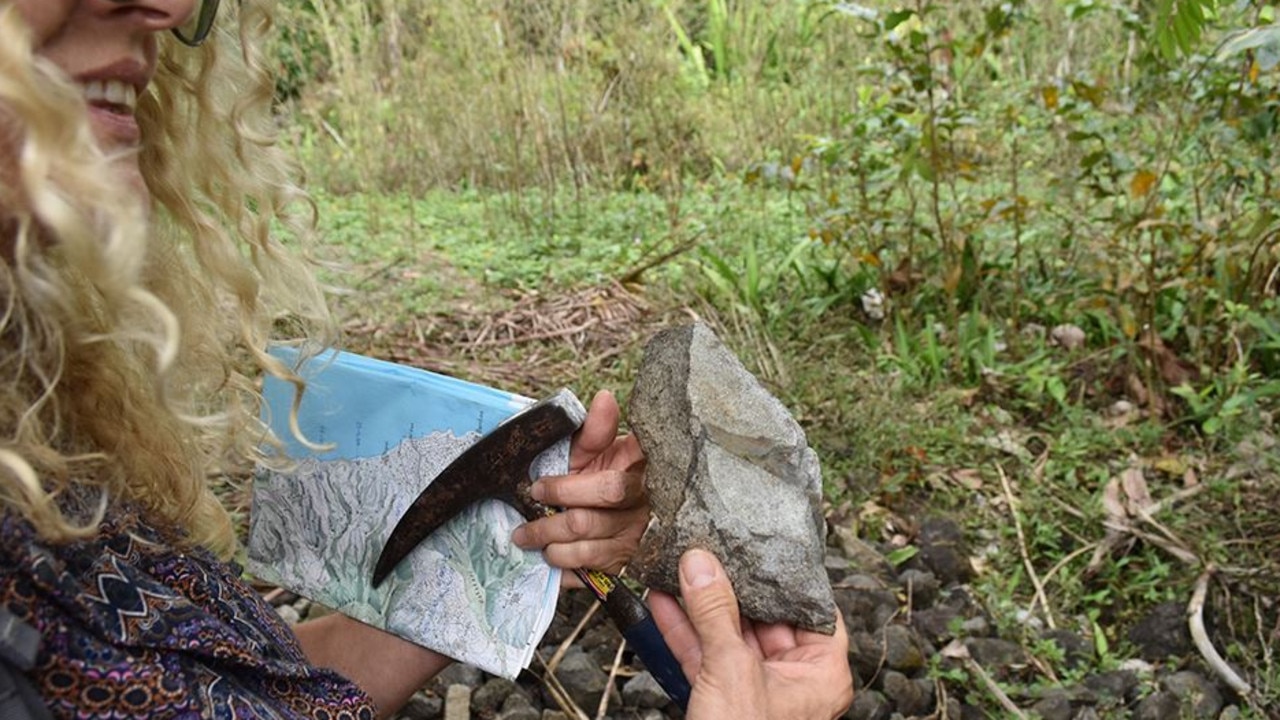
<point x="497" y="467"/>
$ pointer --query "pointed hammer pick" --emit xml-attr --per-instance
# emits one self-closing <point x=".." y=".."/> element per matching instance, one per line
<point x="497" y="467"/>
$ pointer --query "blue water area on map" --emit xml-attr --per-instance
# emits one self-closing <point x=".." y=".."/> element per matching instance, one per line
<point x="365" y="407"/>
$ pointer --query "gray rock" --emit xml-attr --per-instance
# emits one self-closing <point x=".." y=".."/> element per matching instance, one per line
<point x="289" y="614"/>
<point x="422" y="707"/>
<point x="866" y="610"/>
<point x="902" y="649"/>
<point x="943" y="551"/>
<point x="582" y="678"/>
<point x="729" y="470"/>
<point x="1163" y="633"/>
<point x="976" y="627"/>
<point x="457" y="703"/>
<point x="866" y="654"/>
<point x="457" y="674"/>
<point x="1198" y="697"/>
<point x="1118" y="686"/>
<point x="921" y="586"/>
<point x="910" y="697"/>
<point x="601" y="643"/>
<point x="642" y="691"/>
<point x="862" y="581"/>
<point x="937" y="530"/>
<point x="1159" y="705"/>
<point x="869" y="705"/>
<point x="1076" y="651"/>
<point x="947" y="562"/>
<point x="517" y="706"/>
<point x="937" y="624"/>
<point x="489" y="697"/>
<point x="862" y="556"/>
<point x="1001" y="658"/>
<point x="1054" y="706"/>
<point x="837" y="566"/>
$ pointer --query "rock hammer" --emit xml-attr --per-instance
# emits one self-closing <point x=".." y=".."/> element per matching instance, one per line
<point x="497" y="467"/>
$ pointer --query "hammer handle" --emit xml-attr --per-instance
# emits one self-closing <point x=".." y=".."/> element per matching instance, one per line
<point x="636" y="624"/>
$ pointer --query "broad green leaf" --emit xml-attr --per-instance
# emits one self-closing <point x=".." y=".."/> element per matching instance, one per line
<point x="894" y="19"/>
<point x="1180" y="24"/>
<point x="1057" y="389"/>
<point x="1260" y="38"/>
<point x="902" y="554"/>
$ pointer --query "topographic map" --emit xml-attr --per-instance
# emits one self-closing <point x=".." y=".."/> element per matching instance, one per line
<point x="466" y="591"/>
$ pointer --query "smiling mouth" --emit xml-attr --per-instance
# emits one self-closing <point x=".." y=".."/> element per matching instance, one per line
<point x="114" y="96"/>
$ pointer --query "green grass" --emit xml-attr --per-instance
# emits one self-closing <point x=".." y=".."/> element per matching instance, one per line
<point x="904" y="418"/>
<point x="530" y="240"/>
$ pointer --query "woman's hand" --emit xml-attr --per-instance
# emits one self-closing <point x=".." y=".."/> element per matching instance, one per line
<point x="746" y="670"/>
<point x="605" y="509"/>
<point x="387" y="667"/>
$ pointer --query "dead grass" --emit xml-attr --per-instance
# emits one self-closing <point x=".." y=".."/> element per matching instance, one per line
<point x="524" y="341"/>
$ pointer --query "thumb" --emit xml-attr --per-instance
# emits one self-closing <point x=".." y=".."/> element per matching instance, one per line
<point x="709" y="600"/>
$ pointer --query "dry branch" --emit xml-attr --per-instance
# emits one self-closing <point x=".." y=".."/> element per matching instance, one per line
<point x="1022" y="548"/>
<point x="957" y="651"/>
<point x="1195" y="620"/>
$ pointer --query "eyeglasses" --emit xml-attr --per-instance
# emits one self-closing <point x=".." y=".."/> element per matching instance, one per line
<point x="195" y="30"/>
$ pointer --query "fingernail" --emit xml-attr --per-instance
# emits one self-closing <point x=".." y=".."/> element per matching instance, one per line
<point x="538" y="491"/>
<point x="519" y="536"/>
<point x="699" y="568"/>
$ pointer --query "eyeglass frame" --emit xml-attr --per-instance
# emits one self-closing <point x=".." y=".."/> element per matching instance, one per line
<point x="204" y="19"/>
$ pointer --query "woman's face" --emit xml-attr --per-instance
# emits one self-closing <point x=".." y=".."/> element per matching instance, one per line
<point x="109" y="47"/>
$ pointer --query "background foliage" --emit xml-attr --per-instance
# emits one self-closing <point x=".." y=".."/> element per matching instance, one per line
<point x="959" y="239"/>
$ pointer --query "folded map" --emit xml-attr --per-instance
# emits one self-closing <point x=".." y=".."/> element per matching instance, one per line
<point x="387" y="431"/>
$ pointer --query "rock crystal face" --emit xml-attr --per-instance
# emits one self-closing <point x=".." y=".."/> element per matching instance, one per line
<point x="729" y="470"/>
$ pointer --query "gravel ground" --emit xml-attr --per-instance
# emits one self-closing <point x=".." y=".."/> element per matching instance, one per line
<point x="920" y="647"/>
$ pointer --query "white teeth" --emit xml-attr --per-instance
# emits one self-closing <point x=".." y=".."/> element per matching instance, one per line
<point x="112" y="92"/>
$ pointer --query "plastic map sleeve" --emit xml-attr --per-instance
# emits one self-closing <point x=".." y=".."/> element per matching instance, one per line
<point x="388" y="430"/>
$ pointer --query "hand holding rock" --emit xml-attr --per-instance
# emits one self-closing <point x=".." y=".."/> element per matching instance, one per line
<point x="746" y="670"/>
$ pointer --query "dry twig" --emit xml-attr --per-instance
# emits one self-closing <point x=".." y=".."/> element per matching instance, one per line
<point x="957" y="651"/>
<point x="554" y="662"/>
<point x="559" y="694"/>
<point x="613" y="674"/>
<point x="1022" y="548"/>
<point x="1195" y="620"/>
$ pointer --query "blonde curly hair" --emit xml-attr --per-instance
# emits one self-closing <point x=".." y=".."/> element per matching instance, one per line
<point x="132" y="334"/>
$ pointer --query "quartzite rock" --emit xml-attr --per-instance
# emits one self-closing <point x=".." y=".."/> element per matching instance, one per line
<point x="729" y="471"/>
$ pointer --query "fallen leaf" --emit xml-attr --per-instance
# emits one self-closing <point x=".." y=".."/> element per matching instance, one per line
<point x="955" y="650"/>
<point x="1171" y="465"/>
<point x="979" y="565"/>
<point x="1136" y="389"/>
<point x="1174" y="371"/>
<point x="1113" y="501"/>
<point x="1050" y="95"/>
<point x="1141" y="184"/>
<point x="1135" y="488"/>
<point x="1005" y="442"/>
<point x="1067" y="336"/>
<point x="969" y="479"/>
